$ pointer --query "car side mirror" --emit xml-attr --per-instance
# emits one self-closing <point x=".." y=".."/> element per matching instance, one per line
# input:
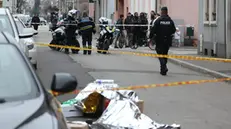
<point x="26" y="33"/>
<point x="63" y="83"/>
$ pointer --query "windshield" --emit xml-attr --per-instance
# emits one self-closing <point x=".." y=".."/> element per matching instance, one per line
<point x="5" y="25"/>
<point x="19" y="26"/>
<point x="16" y="80"/>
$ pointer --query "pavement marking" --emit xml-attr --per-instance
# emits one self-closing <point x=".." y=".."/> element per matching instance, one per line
<point x="184" y="57"/>
<point x="182" y="83"/>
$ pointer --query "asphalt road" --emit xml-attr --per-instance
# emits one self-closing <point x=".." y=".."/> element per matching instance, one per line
<point x="204" y="106"/>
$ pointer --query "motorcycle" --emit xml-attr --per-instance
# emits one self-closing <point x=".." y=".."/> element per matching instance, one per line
<point x="106" y="39"/>
<point x="58" y="38"/>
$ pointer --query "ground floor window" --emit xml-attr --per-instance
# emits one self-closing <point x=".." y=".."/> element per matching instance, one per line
<point x="210" y="11"/>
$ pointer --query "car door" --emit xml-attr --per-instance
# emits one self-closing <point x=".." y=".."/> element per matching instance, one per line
<point x="22" y="42"/>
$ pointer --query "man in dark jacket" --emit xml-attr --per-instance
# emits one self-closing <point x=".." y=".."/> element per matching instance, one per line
<point x="143" y="29"/>
<point x="120" y="22"/>
<point x="129" y="29"/>
<point x="152" y="17"/>
<point x="86" y="27"/>
<point x="54" y="20"/>
<point x="35" y="21"/>
<point x="163" y="28"/>
<point x="136" y="31"/>
<point x="71" y="26"/>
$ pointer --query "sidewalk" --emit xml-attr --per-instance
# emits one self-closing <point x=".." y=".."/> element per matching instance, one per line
<point x="215" y="69"/>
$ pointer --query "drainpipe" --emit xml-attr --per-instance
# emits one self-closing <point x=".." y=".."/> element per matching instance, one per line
<point x="201" y="43"/>
<point x="227" y="29"/>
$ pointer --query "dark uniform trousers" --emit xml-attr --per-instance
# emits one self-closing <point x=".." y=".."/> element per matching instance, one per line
<point x="163" y="61"/>
<point x="72" y="42"/>
<point x="162" y="48"/>
<point x="87" y="42"/>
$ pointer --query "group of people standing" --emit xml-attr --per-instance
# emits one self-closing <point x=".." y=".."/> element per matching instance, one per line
<point x="73" y="22"/>
<point x="162" y="30"/>
<point x="134" y="32"/>
<point x="86" y="28"/>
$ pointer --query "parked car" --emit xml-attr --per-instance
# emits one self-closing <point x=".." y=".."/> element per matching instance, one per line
<point x="24" y="102"/>
<point x="7" y="24"/>
<point x="24" y="18"/>
<point x="30" y="43"/>
<point x="42" y="21"/>
<point x="28" y="23"/>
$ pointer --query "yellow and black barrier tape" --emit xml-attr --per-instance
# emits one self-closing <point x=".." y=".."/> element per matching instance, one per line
<point x="184" y="57"/>
<point x="172" y="84"/>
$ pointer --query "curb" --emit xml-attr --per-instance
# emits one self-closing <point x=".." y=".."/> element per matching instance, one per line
<point x="199" y="69"/>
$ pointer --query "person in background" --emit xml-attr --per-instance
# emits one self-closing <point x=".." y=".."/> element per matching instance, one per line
<point x="143" y="29"/>
<point x="120" y="23"/>
<point x="163" y="28"/>
<point x="54" y="20"/>
<point x="152" y="17"/>
<point x="177" y="37"/>
<point x="87" y="27"/>
<point x="136" y="31"/>
<point x="129" y="29"/>
<point x="35" y="22"/>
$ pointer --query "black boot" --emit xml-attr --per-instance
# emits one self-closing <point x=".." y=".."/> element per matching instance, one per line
<point x="163" y="71"/>
<point x="67" y="51"/>
<point x="89" y="51"/>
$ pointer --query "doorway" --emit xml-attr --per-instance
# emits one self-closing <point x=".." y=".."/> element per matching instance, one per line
<point x="121" y="7"/>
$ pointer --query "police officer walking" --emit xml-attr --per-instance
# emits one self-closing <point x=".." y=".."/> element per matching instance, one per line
<point x="86" y="27"/>
<point x="163" y="28"/>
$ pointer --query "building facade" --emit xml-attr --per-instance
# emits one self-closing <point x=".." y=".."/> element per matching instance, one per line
<point x="1" y="3"/>
<point x="132" y="6"/>
<point x="10" y="4"/>
<point x="184" y="13"/>
<point x="215" y="28"/>
<point x="107" y="8"/>
<point x="66" y="5"/>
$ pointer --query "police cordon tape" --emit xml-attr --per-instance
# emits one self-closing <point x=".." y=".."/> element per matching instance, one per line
<point x="115" y="24"/>
<point x="142" y="54"/>
<point x="172" y="84"/>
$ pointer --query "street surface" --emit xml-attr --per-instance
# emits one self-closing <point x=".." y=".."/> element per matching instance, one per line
<point x="203" y="106"/>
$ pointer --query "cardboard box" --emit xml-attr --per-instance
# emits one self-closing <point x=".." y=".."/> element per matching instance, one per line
<point x="71" y="111"/>
<point x="140" y="104"/>
<point x="77" y="125"/>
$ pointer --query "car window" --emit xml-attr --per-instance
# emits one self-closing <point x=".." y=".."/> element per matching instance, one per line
<point x="19" y="26"/>
<point x="16" y="80"/>
<point x="5" y="25"/>
<point x="41" y="19"/>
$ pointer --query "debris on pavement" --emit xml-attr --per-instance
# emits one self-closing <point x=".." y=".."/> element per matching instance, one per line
<point x="114" y="109"/>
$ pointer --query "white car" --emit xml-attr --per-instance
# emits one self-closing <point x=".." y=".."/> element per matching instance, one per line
<point x="7" y="24"/>
<point x="29" y="42"/>
<point x="24" y="18"/>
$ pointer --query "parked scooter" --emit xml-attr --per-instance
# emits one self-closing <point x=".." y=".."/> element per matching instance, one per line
<point x="106" y="35"/>
<point x="59" y="37"/>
